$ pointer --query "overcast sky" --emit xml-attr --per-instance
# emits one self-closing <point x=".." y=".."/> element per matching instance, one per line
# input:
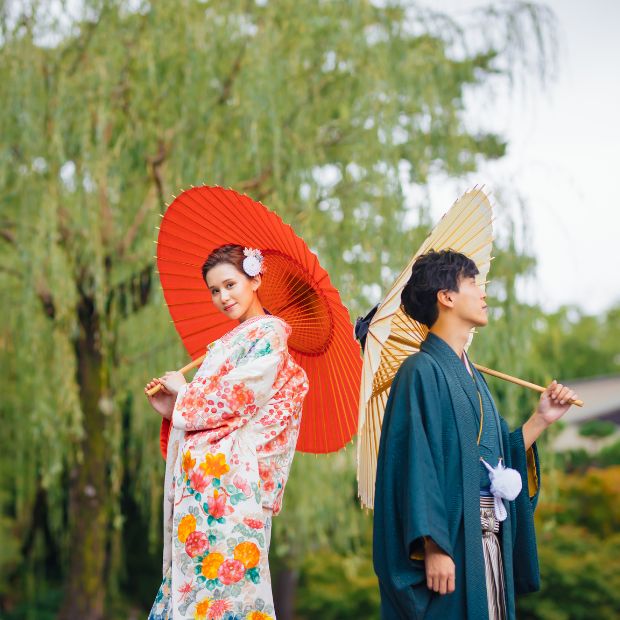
<point x="563" y="157"/>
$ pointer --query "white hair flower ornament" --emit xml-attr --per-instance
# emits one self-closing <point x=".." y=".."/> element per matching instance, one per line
<point x="253" y="262"/>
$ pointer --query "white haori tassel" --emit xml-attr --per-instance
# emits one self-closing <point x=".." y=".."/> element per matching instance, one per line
<point x="506" y="483"/>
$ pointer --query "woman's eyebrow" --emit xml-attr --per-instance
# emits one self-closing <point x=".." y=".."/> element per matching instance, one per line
<point x="224" y="282"/>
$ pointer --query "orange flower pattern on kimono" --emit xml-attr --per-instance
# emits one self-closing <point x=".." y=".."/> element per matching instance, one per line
<point x="233" y="436"/>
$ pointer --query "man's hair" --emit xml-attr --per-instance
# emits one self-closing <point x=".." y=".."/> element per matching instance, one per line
<point x="433" y="272"/>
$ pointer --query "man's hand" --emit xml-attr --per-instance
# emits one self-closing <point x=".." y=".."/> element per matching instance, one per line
<point x="554" y="402"/>
<point x="440" y="571"/>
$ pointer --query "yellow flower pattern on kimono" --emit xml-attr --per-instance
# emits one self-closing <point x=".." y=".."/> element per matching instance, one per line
<point x="258" y="615"/>
<point x="247" y="553"/>
<point x="233" y="436"/>
<point x="186" y="527"/>
<point x="210" y="565"/>
<point x="188" y="462"/>
<point x="202" y="609"/>
<point x="215" y="465"/>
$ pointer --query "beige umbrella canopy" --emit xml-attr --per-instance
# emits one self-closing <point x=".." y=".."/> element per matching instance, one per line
<point x="393" y="336"/>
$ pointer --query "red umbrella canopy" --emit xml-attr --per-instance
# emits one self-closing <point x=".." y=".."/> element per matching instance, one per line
<point x="294" y="287"/>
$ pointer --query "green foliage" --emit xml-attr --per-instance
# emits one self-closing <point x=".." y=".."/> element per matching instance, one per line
<point x="42" y="605"/>
<point x="579" y="577"/>
<point x="337" y="581"/>
<point x="590" y="501"/>
<point x="578" y="548"/>
<point x="321" y="508"/>
<point x="576" y="460"/>
<point x="334" y="587"/>
<point x="610" y="455"/>
<point x="581" y="345"/>
<point x="579" y="460"/>
<point x="597" y="429"/>
<point x="10" y="551"/>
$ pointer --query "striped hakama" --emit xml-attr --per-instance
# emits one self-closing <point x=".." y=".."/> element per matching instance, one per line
<point x="493" y="565"/>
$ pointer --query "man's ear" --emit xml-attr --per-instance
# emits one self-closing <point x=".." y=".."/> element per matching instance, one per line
<point x="445" y="298"/>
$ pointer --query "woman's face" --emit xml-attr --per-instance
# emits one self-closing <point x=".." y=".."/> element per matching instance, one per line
<point x="232" y="292"/>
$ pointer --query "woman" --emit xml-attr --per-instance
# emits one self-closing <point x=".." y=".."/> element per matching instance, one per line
<point x="233" y="433"/>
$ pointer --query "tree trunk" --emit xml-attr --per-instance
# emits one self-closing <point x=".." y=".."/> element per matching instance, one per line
<point x="85" y="579"/>
<point x="284" y="593"/>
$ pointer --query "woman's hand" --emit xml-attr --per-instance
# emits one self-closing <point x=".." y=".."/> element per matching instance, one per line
<point x="163" y="400"/>
<point x="173" y="380"/>
<point x="440" y="570"/>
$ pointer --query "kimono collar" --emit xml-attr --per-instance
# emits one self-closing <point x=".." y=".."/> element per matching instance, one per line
<point x="253" y="321"/>
<point x="445" y="355"/>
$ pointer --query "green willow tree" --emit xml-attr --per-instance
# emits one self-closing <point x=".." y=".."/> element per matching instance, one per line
<point x="585" y="345"/>
<point x="323" y="110"/>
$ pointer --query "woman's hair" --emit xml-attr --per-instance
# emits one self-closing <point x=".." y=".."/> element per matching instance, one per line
<point x="433" y="272"/>
<point x="230" y="253"/>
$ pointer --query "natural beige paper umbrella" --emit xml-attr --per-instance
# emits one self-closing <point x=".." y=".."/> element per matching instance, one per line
<point x="393" y="336"/>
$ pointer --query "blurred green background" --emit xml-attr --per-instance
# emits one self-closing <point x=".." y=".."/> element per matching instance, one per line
<point x="326" y="111"/>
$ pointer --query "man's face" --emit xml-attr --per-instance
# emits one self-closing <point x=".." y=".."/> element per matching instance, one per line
<point x="470" y="302"/>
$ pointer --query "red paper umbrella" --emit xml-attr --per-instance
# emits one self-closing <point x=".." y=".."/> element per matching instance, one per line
<point x="294" y="287"/>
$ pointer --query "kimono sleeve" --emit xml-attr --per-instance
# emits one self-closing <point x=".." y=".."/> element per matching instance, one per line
<point x="228" y="400"/>
<point x="525" y="554"/>
<point x="424" y="506"/>
<point x="528" y="465"/>
<point x="409" y="495"/>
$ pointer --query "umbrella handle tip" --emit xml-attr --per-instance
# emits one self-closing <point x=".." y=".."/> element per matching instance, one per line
<point x="153" y="390"/>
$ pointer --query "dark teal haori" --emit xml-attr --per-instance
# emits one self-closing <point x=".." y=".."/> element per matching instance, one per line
<point x="428" y="484"/>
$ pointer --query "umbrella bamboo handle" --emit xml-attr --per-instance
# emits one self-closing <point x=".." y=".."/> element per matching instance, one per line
<point x="527" y="384"/>
<point x="185" y="368"/>
<point x="500" y="375"/>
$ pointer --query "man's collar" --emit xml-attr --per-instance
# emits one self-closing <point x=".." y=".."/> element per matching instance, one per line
<point x="447" y="358"/>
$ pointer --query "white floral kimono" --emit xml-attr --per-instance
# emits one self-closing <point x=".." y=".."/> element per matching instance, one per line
<point x="230" y="448"/>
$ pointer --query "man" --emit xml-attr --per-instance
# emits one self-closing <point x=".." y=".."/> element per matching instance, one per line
<point x="448" y="543"/>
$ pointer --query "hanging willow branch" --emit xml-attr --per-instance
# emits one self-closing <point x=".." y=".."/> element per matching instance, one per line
<point x="104" y="119"/>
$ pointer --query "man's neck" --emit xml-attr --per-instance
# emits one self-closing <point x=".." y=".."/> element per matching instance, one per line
<point x="455" y="336"/>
